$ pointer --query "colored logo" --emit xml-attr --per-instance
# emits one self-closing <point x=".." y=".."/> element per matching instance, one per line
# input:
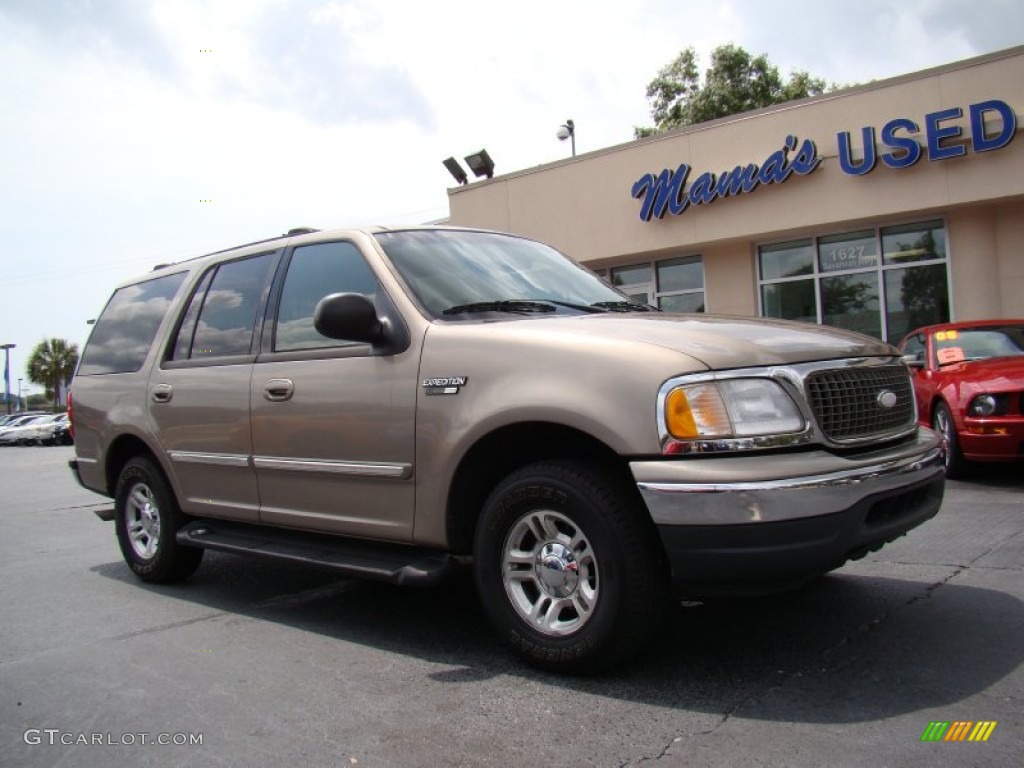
<point x="959" y="730"/>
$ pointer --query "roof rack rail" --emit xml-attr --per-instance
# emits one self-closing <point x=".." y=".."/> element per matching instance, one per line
<point x="300" y="231"/>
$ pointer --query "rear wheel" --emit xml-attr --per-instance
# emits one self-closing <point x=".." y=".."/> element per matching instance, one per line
<point x="942" y="422"/>
<point x="147" y="519"/>
<point x="569" y="568"/>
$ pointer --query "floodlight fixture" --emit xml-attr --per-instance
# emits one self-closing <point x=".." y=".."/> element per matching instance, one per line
<point x="456" y="170"/>
<point x="480" y="164"/>
<point x="568" y="131"/>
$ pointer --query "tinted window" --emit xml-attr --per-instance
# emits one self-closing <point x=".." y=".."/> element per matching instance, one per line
<point x="124" y="332"/>
<point x="316" y="271"/>
<point x="228" y="314"/>
<point x="183" y="342"/>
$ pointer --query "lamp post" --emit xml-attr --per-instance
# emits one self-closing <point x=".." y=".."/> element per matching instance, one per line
<point x="7" y="374"/>
<point x="568" y="131"/>
<point x="18" y="406"/>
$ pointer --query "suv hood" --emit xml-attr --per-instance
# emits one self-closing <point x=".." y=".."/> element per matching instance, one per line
<point x="720" y="341"/>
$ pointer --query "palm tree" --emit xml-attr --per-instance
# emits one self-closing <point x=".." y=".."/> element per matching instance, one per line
<point x="51" y="364"/>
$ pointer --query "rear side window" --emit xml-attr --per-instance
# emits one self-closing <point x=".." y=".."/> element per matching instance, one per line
<point x="125" y="331"/>
<point x="221" y="316"/>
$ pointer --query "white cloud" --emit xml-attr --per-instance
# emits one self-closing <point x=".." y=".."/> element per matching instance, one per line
<point x="122" y="115"/>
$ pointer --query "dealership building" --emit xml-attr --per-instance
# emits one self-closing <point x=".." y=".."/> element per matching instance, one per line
<point x="876" y="208"/>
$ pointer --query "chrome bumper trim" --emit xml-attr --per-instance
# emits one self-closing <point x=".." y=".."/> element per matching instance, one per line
<point x="733" y="490"/>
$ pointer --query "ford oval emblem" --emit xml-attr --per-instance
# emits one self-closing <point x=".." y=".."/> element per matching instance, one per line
<point x="887" y="399"/>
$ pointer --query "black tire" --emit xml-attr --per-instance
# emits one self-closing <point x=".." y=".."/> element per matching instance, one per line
<point x="942" y="422"/>
<point x="147" y="518"/>
<point x="589" y="568"/>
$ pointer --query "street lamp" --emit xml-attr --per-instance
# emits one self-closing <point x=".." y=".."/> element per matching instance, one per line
<point x="568" y="131"/>
<point x="7" y="374"/>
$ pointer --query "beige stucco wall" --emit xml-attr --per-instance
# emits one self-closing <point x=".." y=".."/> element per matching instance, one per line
<point x="583" y="205"/>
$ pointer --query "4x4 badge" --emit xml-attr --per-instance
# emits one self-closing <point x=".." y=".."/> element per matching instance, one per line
<point x="444" y="385"/>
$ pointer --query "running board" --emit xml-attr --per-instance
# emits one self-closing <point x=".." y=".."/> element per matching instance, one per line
<point x="396" y="564"/>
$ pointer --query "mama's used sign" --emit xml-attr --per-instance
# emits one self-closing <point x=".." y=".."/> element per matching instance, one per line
<point x="668" y="192"/>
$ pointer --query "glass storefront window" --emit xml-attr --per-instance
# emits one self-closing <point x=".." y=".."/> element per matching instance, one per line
<point x="632" y="275"/>
<point x="680" y="275"/>
<point x="840" y="279"/>
<point x="914" y="242"/>
<point x="790" y="301"/>
<point x="682" y="302"/>
<point x="672" y="285"/>
<point x="915" y="296"/>
<point x="787" y="259"/>
<point x="851" y="302"/>
<point x="855" y="250"/>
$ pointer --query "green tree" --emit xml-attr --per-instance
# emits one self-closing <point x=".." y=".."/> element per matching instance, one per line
<point x="735" y="82"/>
<point x="51" y="365"/>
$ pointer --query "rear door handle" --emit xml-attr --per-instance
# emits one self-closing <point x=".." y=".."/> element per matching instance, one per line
<point x="162" y="393"/>
<point x="278" y="390"/>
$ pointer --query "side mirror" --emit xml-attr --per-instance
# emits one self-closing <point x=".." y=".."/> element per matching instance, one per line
<point x="349" y="317"/>
<point x="912" y="361"/>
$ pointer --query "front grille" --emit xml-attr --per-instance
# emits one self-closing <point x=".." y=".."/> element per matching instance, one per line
<point x="847" y="402"/>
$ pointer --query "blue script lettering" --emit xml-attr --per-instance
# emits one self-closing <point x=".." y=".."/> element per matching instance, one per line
<point x="662" y="192"/>
<point x="665" y="192"/>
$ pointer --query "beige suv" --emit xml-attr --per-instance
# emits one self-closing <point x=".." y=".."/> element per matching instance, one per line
<point x="391" y="402"/>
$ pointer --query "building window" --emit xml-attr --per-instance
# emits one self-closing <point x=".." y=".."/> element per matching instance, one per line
<point x="882" y="282"/>
<point x="672" y="285"/>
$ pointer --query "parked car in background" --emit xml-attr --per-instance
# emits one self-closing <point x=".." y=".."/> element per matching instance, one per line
<point x="969" y="382"/>
<point x="7" y="418"/>
<point x="48" y="431"/>
<point x="62" y="434"/>
<point x="15" y="430"/>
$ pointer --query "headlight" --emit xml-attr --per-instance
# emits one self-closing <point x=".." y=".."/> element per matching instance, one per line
<point x="731" y="408"/>
<point x="988" y="405"/>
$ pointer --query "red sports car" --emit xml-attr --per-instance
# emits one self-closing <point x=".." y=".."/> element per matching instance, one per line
<point x="969" y="382"/>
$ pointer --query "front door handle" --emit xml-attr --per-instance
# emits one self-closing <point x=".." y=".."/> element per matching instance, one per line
<point x="162" y="393"/>
<point x="278" y="390"/>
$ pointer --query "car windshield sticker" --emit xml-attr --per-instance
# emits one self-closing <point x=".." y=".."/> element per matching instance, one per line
<point x="950" y="355"/>
<point x="947" y="335"/>
<point x="444" y="385"/>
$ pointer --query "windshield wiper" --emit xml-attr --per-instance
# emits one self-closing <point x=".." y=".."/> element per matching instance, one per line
<point x="624" y="306"/>
<point x="521" y="306"/>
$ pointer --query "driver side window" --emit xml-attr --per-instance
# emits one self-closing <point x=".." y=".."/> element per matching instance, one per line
<point x="316" y="271"/>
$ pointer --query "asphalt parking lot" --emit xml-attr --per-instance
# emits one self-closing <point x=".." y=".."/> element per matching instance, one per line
<point x="271" y="665"/>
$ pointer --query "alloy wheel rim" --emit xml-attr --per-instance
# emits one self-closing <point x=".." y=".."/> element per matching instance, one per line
<point x="550" y="572"/>
<point x="143" y="521"/>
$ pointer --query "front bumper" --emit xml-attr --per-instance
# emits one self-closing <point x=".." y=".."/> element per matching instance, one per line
<point x="992" y="439"/>
<point x="731" y="522"/>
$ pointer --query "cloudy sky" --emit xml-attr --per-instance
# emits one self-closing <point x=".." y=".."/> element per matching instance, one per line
<point x="135" y="132"/>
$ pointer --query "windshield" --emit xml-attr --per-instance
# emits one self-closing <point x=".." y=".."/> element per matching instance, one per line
<point x="955" y="345"/>
<point x="455" y="275"/>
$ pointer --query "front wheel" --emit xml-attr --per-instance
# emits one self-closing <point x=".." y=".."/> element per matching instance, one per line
<point x="147" y="518"/>
<point x="569" y="567"/>
<point x="942" y="422"/>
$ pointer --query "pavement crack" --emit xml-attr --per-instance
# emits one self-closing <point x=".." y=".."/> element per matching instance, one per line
<point x="165" y="627"/>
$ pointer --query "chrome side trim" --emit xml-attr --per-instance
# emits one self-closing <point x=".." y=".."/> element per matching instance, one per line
<point x="216" y="459"/>
<point x="353" y="468"/>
